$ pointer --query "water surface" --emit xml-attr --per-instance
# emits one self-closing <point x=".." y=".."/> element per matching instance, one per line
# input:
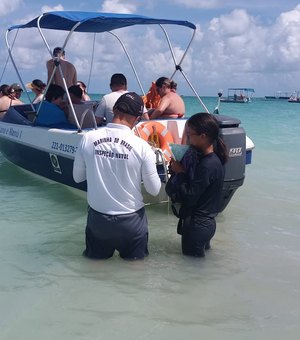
<point x="247" y="287"/>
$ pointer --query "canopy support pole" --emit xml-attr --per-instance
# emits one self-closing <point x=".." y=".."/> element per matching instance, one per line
<point x="178" y="65"/>
<point x="15" y="67"/>
<point x="130" y="61"/>
<point x="92" y="61"/>
<point x="56" y="61"/>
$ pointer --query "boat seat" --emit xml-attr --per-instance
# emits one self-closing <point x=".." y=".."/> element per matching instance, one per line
<point x="88" y="121"/>
<point x="12" y="115"/>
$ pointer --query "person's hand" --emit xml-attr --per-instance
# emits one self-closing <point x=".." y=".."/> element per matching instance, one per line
<point x="176" y="167"/>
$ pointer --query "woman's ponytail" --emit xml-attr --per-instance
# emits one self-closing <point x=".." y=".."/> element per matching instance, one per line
<point x="220" y="150"/>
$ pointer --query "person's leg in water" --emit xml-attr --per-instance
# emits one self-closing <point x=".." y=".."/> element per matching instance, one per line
<point x="196" y="238"/>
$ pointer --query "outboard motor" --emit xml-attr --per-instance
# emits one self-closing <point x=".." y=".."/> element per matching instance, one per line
<point x="234" y="137"/>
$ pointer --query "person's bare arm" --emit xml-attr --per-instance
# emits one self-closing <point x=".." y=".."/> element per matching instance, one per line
<point x="163" y="105"/>
<point x="75" y="77"/>
<point x="49" y="71"/>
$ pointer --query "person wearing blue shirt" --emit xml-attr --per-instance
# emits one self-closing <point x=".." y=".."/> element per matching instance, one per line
<point x="51" y="113"/>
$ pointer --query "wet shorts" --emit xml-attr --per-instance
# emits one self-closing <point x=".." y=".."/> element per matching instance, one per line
<point x="127" y="233"/>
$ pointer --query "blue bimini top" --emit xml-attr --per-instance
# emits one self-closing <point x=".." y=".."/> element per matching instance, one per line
<point x="94" y="22"/>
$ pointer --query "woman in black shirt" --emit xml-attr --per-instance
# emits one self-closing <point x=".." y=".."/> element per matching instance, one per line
<point x="196" y="183"/>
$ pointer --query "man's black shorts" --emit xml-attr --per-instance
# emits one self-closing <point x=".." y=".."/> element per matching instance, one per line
<point x="127" y="233"/>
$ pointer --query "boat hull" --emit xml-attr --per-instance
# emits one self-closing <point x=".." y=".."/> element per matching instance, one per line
<point x="50" y="153"/>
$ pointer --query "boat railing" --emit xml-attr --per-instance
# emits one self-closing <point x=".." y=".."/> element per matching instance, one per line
<point x="84" y="115"/>
<point x="161" y="165"/>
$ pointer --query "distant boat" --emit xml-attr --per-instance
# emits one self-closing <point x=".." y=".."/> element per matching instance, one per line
<point x="295" y="97"/>
<point x="280" y="95"/>
<point x="238" y="95"/>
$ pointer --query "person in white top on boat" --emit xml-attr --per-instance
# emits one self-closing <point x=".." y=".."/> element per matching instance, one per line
<point x="68" y="69"/>
<point x="118" y="86"/>
<point x="37" y="87"/>
<point x="171" y="104"/>
<point x="114" y="161"/>
<point x="104" y="113"/>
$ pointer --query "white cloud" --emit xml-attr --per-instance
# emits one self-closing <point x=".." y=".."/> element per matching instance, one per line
<point x="237" y="50"/>
<point x="8" y="6"/>
<point x="233" y="49"/>
<point x="118" y="6"/>
<point x="58" y="7"/>
<point x="204" y="4"/>
<point x="237" y="23"/>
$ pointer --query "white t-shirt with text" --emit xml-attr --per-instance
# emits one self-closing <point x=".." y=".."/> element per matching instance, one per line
<point x="114" y="162"/>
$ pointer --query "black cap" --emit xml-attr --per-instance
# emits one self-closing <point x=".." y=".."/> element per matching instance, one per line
<point x="130" y="103"/>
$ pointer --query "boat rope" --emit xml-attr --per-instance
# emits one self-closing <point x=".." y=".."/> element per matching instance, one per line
<point x="92" y="61"/>
<point x="7" y="59"/>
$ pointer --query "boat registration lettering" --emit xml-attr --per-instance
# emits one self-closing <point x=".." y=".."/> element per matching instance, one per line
<point x="63" y="147"/>
<point x="12" y="132"/>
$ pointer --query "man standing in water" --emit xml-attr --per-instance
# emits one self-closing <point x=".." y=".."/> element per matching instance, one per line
<point x="114" y="161"/>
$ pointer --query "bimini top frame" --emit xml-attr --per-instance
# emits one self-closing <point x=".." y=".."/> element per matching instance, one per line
<point x="95" y="22"/>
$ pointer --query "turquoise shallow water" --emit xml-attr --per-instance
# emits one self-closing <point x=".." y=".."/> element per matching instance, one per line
<point x="247" y="287"/>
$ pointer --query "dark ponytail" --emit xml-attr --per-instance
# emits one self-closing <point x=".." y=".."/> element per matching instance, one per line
<point x="205" y="123"/>
<point x="220" y="150"/>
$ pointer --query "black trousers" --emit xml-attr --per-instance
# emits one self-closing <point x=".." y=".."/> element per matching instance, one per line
<point x="196" y="235"/>
<point x="127" y="233"/>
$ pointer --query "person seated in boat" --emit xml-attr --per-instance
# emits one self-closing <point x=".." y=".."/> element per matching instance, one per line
<point x="68" y="69"/>
<point x="8" y="97"/>
<point x="37" y="87"/>
<point x="85" y="96"/>
<point x="118" y="86"/>
<point x="51" y="112"/>
<point x="15" y="93"/>
<point x="80" y="108"/>
<point x="171" y="104"/>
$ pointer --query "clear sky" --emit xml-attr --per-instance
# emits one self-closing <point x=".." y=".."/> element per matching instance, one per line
<point x="238" y="44"/>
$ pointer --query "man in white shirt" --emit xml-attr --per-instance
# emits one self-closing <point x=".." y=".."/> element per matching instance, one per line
<point x="114" y="162"/>
<point x="118" y="86"/>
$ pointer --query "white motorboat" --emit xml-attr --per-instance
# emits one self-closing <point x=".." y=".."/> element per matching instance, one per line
<point x="49" y="152"/>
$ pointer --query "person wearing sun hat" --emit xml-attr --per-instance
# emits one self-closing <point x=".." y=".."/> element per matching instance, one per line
<point x="114" y="161"/>
<point x="37" y="87"/>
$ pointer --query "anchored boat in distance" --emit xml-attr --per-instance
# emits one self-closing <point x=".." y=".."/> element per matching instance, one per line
<point x="238" y="95"/>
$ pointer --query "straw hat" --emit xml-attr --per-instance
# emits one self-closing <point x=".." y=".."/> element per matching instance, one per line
<point x="36" y="84"/>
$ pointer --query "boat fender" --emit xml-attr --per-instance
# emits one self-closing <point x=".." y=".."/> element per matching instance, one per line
<point x="146" y="130"/>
